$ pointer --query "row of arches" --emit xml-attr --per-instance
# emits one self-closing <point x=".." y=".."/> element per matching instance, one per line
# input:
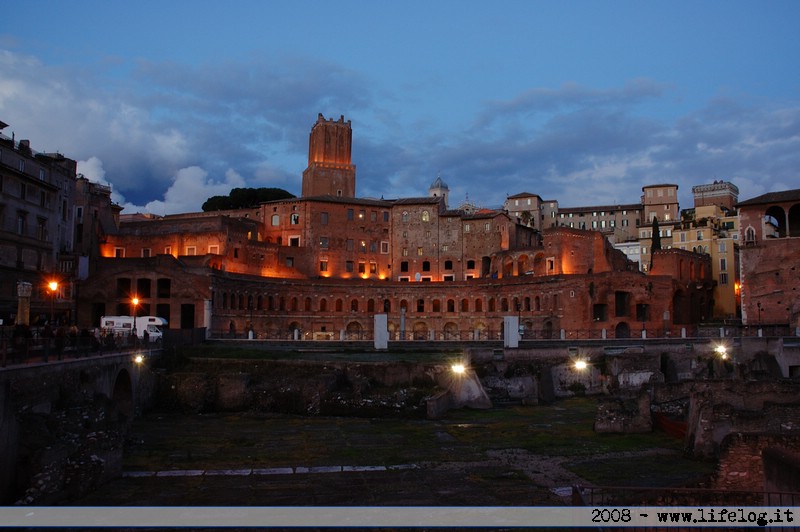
<point x="786" y="222"/>
<point x="273" y="303"/>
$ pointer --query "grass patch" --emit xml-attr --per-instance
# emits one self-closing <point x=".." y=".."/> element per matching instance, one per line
<point x="564" y="429"/>
<point x="671" y="470"/>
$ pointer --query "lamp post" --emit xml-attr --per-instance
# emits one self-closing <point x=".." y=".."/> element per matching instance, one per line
<point x="53" y="287"/>
<point x="134" y="301"/>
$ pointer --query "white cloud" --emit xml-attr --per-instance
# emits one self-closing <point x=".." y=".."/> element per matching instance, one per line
<point x="190" y="188"/>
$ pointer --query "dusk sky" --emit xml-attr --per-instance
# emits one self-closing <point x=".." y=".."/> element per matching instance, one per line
<point x="581" y="102"/>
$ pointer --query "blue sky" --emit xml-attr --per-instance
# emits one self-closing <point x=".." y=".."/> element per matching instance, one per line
<point x="581" y="102"/>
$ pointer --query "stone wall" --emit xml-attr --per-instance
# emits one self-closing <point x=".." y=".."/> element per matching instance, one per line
<point x="781" y="474"/>
<point x="717" y="408"/>
<point x="301" y="387"/>
<point x="618" y="415"/>
<point x="62" y="426"/>
<point x="741" y="462"/>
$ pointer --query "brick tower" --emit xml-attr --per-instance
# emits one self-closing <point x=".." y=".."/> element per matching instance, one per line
<point x="330" y="171"/>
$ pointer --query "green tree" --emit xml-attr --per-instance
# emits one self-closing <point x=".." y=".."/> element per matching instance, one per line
<point x="656" y="243"/>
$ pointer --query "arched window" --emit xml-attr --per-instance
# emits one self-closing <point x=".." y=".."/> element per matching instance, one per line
<point x="224" y="300"/>
<point x="387" y="305"/>
<point x="405" y="216"/>
<point x="451" y="305"/>
<point x="437" y="305"/>
<point x="260" y="302"/>
<point x="338" y="307"/>
<point x="420" y="305"/>
<point x="307" y="306"/>
<point x="465" y="305"/>
<point x="354" y="305"/>
<point x="370" y="306"/>
<point x="323" y="305"/>
<point x="491" y="304"/>
<point x="479" y="305"/>
<point x="426" y="216"/>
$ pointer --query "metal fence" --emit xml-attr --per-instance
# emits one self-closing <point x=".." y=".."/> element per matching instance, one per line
<point x="20" y="345"/>
<point x="643" y="496"/>
<point x="471" y="335"/>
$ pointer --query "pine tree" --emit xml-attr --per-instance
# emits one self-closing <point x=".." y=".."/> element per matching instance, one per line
<point x="655" y="244"/>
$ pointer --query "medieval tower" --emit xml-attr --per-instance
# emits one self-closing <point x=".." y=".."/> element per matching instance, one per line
<point x="330" y="171"/>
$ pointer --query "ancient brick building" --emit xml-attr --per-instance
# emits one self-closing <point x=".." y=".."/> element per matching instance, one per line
<point x="770" y="258"/>
<point x="330" y="170"/>
<point x="573" y="285"/>
<point x="322" y="265"/>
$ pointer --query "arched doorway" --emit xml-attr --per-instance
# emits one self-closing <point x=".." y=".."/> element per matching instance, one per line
<point x="480" y="331"/>
<point x="622" y="330"/>
<point x="354" y="331"/>
<point x="420" y="330"/>
<point x="450" y="331"/>
<point x="122" y="395"/>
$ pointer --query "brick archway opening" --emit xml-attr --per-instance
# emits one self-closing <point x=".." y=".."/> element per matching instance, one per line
<point x="122" y="394"/>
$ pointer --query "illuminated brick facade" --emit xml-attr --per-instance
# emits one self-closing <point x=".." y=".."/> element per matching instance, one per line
<point x="769" y="226"/>
<point x="330" y="170"/>
<point x="322" y="265"/>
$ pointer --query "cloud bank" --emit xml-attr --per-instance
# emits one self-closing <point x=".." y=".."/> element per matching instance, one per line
<point x="169" y="136"/>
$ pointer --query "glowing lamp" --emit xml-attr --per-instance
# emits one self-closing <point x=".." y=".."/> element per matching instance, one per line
<point x="722" y="351"/>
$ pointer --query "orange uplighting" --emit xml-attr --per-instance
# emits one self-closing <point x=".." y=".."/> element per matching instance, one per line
<point x="736" y="288"/>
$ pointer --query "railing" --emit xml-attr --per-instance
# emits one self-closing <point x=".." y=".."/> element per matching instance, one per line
<point x="29" y="345"/>
<point x="640" y="496"/>
<point x="470" y="335"/>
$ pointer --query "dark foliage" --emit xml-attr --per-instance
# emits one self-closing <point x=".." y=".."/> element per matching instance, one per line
<point x="240" y="198"/>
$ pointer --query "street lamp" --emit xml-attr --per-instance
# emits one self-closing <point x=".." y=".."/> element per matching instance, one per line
<point x="53" y="287"/>
<point x="722" y="351"/>
<point x="458" y="368"/>
<point x="134" y="301"/>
